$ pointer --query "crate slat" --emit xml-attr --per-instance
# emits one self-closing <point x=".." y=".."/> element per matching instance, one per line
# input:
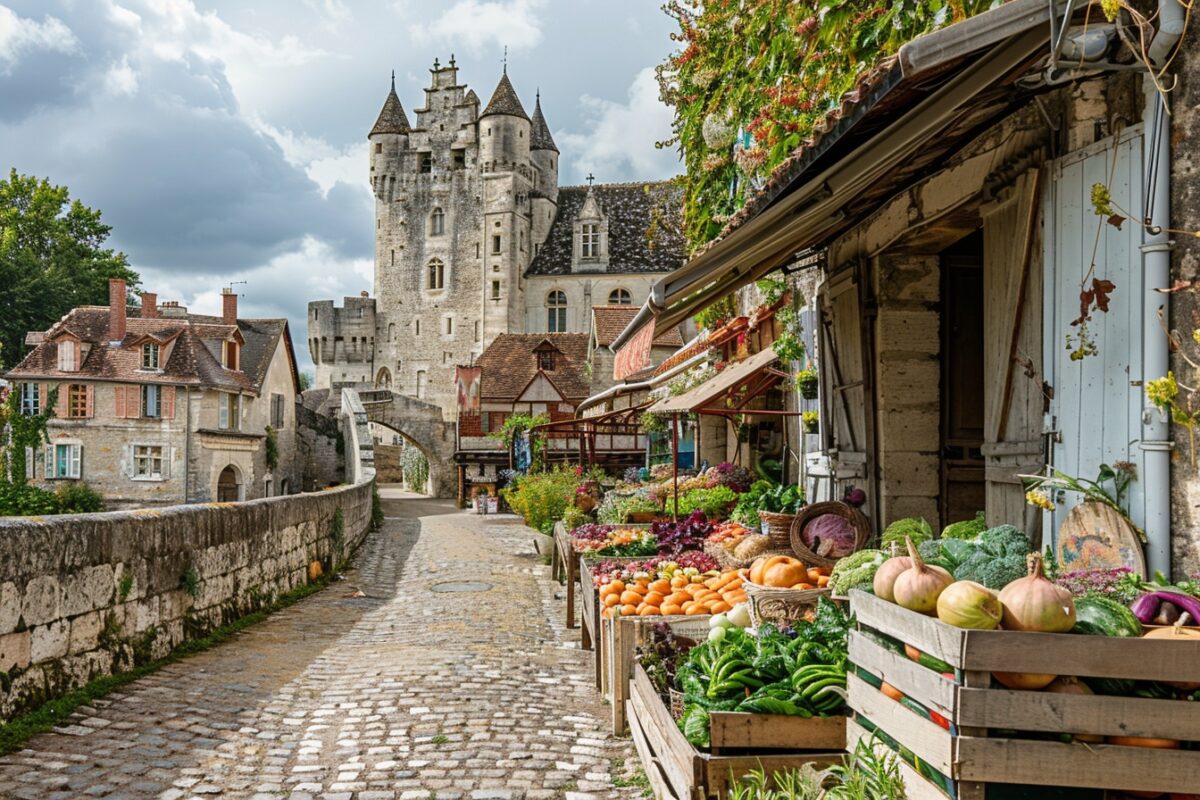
<point x="1085" y="656"/>
<point x="909" y="677"/>
<point x="673" y="752"/>
<point x="651" y="765"/>
<point x="930" y="743"/>
<point x="924" y="633"/>
<point x="775" y="731"/>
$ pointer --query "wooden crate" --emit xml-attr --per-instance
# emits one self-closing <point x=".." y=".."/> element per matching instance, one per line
<point x="565" y="564"/>
<point x="678" y="771"/>
<point x="974" y="746"/>
<point x="619" y="641"/>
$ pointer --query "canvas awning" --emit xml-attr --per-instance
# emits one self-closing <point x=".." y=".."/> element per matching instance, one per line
<point x="755" y="375"/>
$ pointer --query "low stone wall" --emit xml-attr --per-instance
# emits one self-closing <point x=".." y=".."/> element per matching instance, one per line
<point x="89" y="595"/>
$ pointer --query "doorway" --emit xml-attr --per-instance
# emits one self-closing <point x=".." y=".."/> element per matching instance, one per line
<point x="229" y="488"/>
<point x="963" y="488"/>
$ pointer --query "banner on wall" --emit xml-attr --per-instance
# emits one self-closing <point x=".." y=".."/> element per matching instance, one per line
<point x="634" y="356"/>
<point x="467" y="379"/>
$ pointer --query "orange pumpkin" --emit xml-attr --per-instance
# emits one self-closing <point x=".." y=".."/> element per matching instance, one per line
<point x="1143" y="741"/>
<point x="784" y="572"/>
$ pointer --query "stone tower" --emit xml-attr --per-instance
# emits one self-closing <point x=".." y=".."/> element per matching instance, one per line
<point x="463" y="198"/>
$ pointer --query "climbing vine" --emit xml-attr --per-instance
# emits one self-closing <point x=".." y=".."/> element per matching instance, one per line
<point x="750" y="79"/>
<point x="22" y="431"/>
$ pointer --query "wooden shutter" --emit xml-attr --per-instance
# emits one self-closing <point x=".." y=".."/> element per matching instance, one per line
<point x="62" y="403"/>
<point x="43" y="397"/>
<point x="847" y="404"/>
<point x="119" y="401"/>
<point x="89" y="401"/>
<point x="133" y="401"/>
<point x="75" y="460"/>
<point x="167" y="401"/>
<point x="1012" y="323"/>
<point x="48" y="465"/>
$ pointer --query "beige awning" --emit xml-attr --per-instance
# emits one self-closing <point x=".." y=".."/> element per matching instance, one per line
<point x="715" y="389"/>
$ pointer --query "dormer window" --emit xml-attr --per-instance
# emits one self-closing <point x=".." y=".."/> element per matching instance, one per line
<point x="150" y="356"/>
<point x="68" y="356"/>
<point x="545" y="360"/>
<point x="229" y="355"/>
<point x="589" y="240"/>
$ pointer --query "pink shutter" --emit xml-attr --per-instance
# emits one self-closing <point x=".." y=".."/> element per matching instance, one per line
<point x="78" y="355"/>
<point x="168" y="402"/>
<point x="120" y="401"/>
<point x="89" y="401"/>
<point x="43" y="396"/>
<point x="62" y="403"/>
<point x="133" y="401"/>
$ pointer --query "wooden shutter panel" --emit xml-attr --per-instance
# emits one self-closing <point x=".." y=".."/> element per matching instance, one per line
<point x="167" y="402"/>
<point x="75" y="463"/>
<point x="119" y="399"/>
<point x="62" y="403"/>
<point x="43" y="397"/>
<point x="133" y="401"/>
<point x="89" y="402"/>
<point x="48" y="465"/>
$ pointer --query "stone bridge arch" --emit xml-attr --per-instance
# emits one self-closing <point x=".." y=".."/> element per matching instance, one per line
<point x="422" y="424"/>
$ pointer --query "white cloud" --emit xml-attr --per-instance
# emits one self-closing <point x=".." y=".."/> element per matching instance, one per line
<point x="476" y="23"/>
<point x="22" y="34"/>
<point x="619" y="142"/>
<point x="324" y="164"/>
<point x="121" y="79"/>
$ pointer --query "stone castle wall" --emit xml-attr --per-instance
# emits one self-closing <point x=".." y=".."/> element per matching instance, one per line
<point x="90" y="595"/>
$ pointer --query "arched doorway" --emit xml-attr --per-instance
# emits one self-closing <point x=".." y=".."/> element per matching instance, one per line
<point x="229" y="485"/>
<point x="383" y="379"/>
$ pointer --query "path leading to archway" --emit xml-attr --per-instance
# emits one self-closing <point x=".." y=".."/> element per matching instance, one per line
<point x="402" y="693"/>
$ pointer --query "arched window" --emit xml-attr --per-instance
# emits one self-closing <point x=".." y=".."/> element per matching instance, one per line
<point x="556" y="312"/>
<point x="437" y="274"/>
<point x="437" y="222"/>
<point x="620" y="297"/>
<point x="383" y="380"/>
<point x="391" y="331"/>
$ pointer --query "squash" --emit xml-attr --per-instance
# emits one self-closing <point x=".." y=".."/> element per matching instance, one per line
<point x="761" y="566"/>
<point x="1102" y="616"/>
<point x="1026" y="681"/>
<point x="1178" y="633"/>
<point x="1143" y="741"/>
<point x="784" y="574"/>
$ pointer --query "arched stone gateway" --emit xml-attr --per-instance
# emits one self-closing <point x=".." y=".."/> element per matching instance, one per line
<point x="422" y="424"/>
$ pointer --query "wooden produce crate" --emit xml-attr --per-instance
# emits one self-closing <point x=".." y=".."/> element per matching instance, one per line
<point x="980" y="737"/>
<point x="565" y="564"/>
<point x="619" y="641"/>
<point x="589" y="600"/>
<point x="679" y="771"/>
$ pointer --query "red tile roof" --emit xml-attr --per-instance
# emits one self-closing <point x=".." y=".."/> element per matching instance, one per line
<point x="509" y="364"/>
<point x="609" y="321"/>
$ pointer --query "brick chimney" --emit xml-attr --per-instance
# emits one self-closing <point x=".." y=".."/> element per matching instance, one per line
<point x="116" y="309"/>
<point x="229" y="306"/>
<point x="149" y="305"/>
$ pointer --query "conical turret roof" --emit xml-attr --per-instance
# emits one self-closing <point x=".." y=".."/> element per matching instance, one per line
<point x="505" y="101"/>
<point x="539" y="136"/>
<point x="392" y="118"/>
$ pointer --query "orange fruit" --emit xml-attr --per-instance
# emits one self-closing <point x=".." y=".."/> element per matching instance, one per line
<point x="606" y="613"/>
<point x="628" y="610"/>
<point x="679" y="581"/>
<point x="654" y="599"/>
<point x="617" y="586"/>
<point x="663" y="587"/>
<point x="630" y="597"/>
<point x="697" y="608"/>
<point x="648" y="611"/>
<point x="670" y="610"/>
<point x="611" y="600"/>
<point x="678" y="598"/>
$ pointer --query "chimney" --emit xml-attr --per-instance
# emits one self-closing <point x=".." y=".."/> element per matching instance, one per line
<point x="116" y="309"/>
<point x="149" y="305"/>
<point x="229" y="306"/>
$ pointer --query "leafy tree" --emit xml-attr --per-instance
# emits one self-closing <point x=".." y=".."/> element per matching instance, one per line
<point x="306" y="381"/>
<point x="52" y="259"/>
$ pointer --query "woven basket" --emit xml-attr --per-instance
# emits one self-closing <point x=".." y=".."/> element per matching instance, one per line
<point x="727" y="560"/>
<point x="781" y="607"/>
<point x="779" y="528"/>
<point x="857" y="520"/>
<point x="675" y="702"/>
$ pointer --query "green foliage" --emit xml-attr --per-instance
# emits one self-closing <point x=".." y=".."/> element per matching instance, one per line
<point x="415" y="467"/>
<point x="810" y="421"/>
<point x="376" y="509"/>
<point x="24" y="500"/>
<point x="306" y="381"/>
<point x="337" y="531"/>
<point x="272" y="448"/>
<point x="124" y="587"/>
<point x="652" y="423"/>
<point x="21" y="431"/>
<point x="867" y="774"/>
<point x="190" y="581"/>
<point x="967" y="529"/>
<point x="717" y="314"/>
<point x="516" y="424"/>
<point x="52" y="258"/>
<point x="767" y="495"/>
<point x="541" y="499"/>
<point x="77" y="497"/>
<point x="615" y="509"/>
<point x="715" y="503"/>
<point x="912" y="527"/>
<point x="772" y="68"/>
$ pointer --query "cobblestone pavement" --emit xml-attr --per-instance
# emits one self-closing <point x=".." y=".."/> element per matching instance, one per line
<point x="404" y="693"/>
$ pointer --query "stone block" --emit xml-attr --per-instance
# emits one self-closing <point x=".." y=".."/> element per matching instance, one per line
<point x="908" y="382"/>
<point x="14" y="651"/>
<point x="10" y="607"/>
<point x="85" y="632"/>
<point x="142" y="614"/>
<point x="904" y="473"/>
<point x="902" y="507"/>
<point x="49" y="641"/>
<point x="909" y="430"/>
<point x="909" y="278"/>
<point x="908" y="331"/>
<point x="87" y="590"/>
<point x="43" y="600"/>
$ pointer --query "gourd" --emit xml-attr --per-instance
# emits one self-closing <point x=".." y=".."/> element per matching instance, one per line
<point x="1102" y="616"/>
<point x="1033" y="603"/>
<point x="918" y="587"/>
<point x="1178" y="633"/>
<point x="885" y="577"/>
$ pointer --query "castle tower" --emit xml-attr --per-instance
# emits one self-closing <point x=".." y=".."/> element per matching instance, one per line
<point x="544" y="154"/>
<point x="505" y="131"/>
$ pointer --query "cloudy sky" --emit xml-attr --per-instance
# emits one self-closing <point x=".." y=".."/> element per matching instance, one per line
<point x="225" y="140"/>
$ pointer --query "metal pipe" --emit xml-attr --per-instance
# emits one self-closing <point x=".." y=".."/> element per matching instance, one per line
<point x="1156" y="266"/>
<point x="675" y="466"/>
<point x="1172" y="19"/>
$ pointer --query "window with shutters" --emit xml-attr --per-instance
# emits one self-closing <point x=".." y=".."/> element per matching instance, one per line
<point x="78" y="405"/>
<point x="228" y="411"/>
<point x="277" y="411"/>
<point x="150" y="353"/>
<point x="66" y="356"/>
<point x="148" y="462"/>
<point x="63" y="461"/>
<point x="229" y="355"/>
<point x="151" y="402"/>
<point x="31" y="399"/>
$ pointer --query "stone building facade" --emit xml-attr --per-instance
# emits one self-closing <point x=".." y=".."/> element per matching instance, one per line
<point x="474" y="238"/>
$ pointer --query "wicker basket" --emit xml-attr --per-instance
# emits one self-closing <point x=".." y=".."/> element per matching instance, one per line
<point x="857" y="520"/>
<point x="675" y="702"/>
<point x="727" y="560"/>
<point x="779" y="528"/>
<point x="778" y="606"/>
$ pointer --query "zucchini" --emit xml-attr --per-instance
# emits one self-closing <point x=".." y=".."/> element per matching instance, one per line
<point x="1102" y="616"/>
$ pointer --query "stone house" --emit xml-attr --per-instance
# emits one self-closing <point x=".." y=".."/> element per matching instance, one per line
<point x="474" y="238"/>
<point x="156" y="406"/>
<point x="607" y="323"/>
<point x="978" y="316"/>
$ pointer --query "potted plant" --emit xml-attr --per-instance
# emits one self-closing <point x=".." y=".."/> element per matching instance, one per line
<point x="811" y="421"/>
<point x="806" y="383"/>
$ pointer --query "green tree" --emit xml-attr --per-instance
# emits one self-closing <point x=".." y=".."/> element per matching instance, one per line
<point x="52" y="259"/>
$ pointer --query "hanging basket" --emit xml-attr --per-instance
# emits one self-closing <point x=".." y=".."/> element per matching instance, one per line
<point x="858" y="521"/>
<point x="778" y="527"/>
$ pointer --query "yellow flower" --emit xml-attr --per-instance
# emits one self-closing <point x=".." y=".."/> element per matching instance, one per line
<point x="1162" y="391"/>
<point x="1039" y="499"/>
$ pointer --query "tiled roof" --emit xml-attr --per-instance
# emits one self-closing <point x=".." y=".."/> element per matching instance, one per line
<point x="539" y="137"/>
<point x="509" y="364"/>
<point x="639" y="239"/>
<point x="505" y="101"/>
<point x="611" y="320"/>
<point x="194" y="352"/>
<point x="392" y="118"/>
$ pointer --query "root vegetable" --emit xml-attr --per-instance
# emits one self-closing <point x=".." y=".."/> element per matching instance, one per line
<point x="1033" y="603"/>
<point x="919" y="586"/>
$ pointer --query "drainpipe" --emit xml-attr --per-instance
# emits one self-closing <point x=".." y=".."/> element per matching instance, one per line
<point x="1156" y="267"/>
<point x="187" y="442"/>
<point x="1172" y="19"/>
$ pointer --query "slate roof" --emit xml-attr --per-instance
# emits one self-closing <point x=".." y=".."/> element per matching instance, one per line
<point x="193" y="359"/>
<point x="509" y="364"/>
<point x="630" y="210"/>
<point x="539" y="137"/>
<point x="392" y="118"/>
<point x="505" y="101"/>
<point x="609" y="321"/>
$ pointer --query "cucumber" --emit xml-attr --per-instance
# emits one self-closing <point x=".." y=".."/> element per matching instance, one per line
<point x="1101" y="616"/>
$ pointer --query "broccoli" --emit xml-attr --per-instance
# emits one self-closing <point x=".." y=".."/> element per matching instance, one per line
<point x="913" y="527"/>
<point x="994" y="572"/>
<point x="967" y="529"/>
<point x="856" y="571"/>
<point x="1004" y="540"/>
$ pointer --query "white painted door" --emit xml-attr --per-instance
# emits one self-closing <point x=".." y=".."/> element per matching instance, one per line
<point x="1095" y="412"/>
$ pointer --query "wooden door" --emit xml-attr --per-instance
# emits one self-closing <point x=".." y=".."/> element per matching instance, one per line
<point x="962" y="492"/>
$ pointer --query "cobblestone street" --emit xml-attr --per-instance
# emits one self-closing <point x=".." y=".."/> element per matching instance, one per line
<point x="403" y="693"/>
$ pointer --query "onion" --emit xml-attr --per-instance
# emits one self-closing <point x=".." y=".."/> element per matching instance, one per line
<point x="918" y="587"/>
<point x="885" y="576"/>
<point x="1033" y="603"/>
<point x="967" y="604"/>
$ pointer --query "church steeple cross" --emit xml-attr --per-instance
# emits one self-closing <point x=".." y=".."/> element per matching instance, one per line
<point x="589" y="179"/>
